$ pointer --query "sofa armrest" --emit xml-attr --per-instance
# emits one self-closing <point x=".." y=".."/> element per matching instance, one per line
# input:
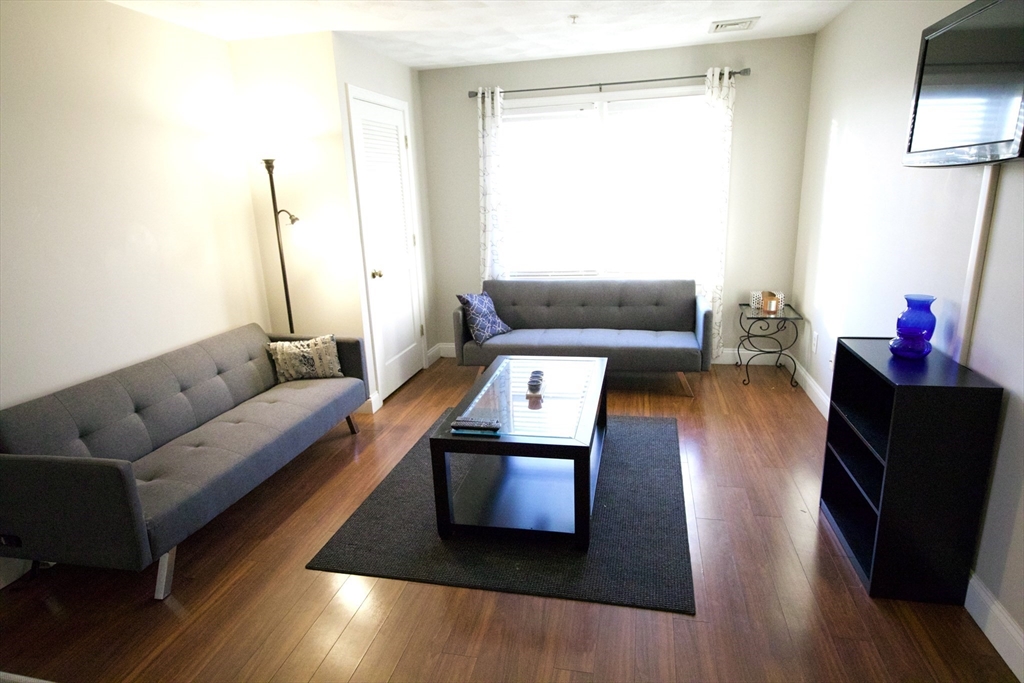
<point x="461" y="334"/>
<point x="703" y="331"/>
<point x="353" y="357"/>
<point x="350" y="352"/>
<point x="76" y="510"/>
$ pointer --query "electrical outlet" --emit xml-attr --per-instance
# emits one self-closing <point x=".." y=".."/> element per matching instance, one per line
<point x="814" y="343"/>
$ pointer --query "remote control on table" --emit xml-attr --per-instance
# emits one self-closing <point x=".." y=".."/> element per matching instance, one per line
<point x="476" y="423"/>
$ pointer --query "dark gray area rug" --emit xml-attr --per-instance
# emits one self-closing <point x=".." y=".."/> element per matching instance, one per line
<point x="638" y="555"/>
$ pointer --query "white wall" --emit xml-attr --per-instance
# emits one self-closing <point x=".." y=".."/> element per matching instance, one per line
<point x="126" y="227"/>
<point x="872" y="230"/>
<point x="997" y="351"/>
<point x="768" y="138"/>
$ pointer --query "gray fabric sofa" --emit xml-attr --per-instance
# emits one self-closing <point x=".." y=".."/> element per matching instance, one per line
<point x="116" y="471"/>
<point x="638" y="325"/>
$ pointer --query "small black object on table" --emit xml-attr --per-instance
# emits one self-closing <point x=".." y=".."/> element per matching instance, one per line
<point x="767" y="334"/>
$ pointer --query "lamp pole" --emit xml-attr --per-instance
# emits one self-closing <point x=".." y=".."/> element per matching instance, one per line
<point x="269" y="163"/>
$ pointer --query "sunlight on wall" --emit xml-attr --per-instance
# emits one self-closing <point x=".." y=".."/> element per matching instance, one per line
<point x="124" y="204"/>
<point x="287" y="94"/>
<point x="274" y="124"/>
<point x="289" y="111"/>
<point x="313" y="246"/>
<point x="207" y="103"/>
<point x="842" y="243"/>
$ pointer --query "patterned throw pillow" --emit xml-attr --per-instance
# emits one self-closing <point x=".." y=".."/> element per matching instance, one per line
<point x="483" y="322"/>
<point x="315" y="358"/>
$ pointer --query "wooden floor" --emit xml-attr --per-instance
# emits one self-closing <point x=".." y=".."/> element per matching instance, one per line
<point x="776" y="599"/>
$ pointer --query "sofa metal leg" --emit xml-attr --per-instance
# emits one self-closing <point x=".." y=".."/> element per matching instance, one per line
<point x="352" y="424"/>
<point x="687" y="391"/>
<point x="165" y="574"/>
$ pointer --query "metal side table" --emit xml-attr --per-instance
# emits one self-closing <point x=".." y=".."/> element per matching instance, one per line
<point x="767" y="334"/>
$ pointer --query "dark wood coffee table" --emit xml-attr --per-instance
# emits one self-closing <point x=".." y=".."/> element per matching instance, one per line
<point x="539" y="474"/>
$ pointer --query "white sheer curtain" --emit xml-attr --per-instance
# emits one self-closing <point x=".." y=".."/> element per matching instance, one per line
<point x="489" y="105"/>
<point x="719" y="93"/>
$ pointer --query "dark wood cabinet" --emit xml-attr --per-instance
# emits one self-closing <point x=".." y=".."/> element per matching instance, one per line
<point x="908" y="454"/>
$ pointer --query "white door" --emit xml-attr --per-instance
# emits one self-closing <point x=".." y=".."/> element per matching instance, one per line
<point x="385" y="215"/>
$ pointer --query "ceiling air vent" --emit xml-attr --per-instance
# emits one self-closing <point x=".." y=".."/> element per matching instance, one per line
<point x="733" y="25"/>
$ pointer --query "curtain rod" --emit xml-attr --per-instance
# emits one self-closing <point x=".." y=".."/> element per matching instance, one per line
<point x="741" y="72"/>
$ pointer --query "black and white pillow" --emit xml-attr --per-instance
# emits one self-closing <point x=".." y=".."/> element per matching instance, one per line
<point x="483" y="321"/>
<point x="315" y="358"/>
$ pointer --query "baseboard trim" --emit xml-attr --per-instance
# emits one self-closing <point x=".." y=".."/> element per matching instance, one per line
<point x="813" y="390"/>
<point x="996" y="623"/>
<point x="442" y="350"/>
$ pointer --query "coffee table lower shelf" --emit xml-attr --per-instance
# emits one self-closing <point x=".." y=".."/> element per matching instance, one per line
<point x="518" y="494"/>
<point x="538" y="476"/>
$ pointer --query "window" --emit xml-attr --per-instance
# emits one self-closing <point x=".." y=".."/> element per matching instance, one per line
<point x="613" y="185"/>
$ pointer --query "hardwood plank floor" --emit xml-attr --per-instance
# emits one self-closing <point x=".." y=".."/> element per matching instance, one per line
<point x="776" y="599"/>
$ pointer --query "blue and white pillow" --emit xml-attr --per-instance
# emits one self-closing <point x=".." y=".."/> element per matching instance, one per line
<point x="483" y="322"/>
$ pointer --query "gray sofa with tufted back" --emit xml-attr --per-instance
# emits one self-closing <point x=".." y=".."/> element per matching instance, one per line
<point x="116" y="471"/>
<point x="638" y="325"/>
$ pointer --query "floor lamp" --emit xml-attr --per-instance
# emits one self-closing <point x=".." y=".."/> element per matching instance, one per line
<point x="269" y="163"/>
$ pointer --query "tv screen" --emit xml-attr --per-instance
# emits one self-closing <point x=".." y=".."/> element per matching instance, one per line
<point x="967" y="106"/>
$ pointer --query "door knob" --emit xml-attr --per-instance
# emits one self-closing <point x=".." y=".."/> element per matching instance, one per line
<point x="376" y="274"/>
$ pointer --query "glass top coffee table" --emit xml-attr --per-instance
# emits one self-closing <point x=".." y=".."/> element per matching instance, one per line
<point x="539" y="472"/>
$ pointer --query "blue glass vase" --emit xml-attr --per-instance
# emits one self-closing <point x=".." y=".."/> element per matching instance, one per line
<point x="914" y="328"/>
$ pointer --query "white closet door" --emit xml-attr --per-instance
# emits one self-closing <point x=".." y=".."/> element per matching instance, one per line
<point x="385" y="215"/>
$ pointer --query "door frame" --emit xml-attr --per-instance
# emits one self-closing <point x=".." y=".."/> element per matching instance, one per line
<point x="412" y="210"/>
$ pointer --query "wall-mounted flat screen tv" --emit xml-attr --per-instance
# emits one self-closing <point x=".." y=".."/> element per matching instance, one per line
<point x="967" y="106"/>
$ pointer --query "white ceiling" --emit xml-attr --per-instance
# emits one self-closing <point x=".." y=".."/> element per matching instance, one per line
<point x="428" y="34"/>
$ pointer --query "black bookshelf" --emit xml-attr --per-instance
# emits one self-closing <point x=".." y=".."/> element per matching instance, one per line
<point x="908" y="453"/>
